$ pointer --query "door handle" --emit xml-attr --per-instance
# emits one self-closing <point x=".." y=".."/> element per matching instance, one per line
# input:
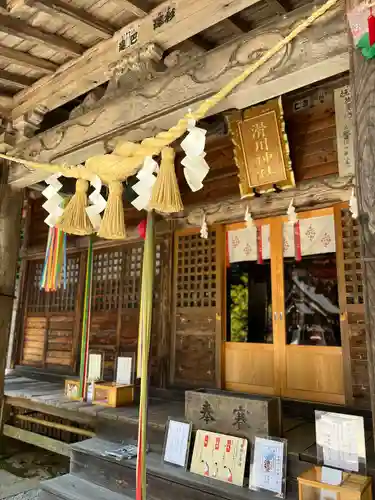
<point x="275" y="316"/>
<point x="281" y="316"/>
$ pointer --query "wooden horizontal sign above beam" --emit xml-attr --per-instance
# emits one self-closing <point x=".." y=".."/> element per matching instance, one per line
<point x="95" y="66"/>
<point x="22" y="30"/>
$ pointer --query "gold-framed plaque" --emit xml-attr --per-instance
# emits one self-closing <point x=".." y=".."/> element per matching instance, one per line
<point x="261" y="149"/>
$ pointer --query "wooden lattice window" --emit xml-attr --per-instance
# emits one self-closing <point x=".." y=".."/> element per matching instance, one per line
<point x="352" y="259"/>
<point x="107" y="269"/>
<point x="36" y="301"/>
<point x="64" y="299"/>
<point x="196" y="271"/>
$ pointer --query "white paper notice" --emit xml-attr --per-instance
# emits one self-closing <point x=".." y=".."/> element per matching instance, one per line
<point x="267" y="468"/>
<point x="332" y="477"/>
<point x="124" y="370"/>
<point x="342" y="440"/>
<point x="177" y="442"/>
<point x="95" y="367"/>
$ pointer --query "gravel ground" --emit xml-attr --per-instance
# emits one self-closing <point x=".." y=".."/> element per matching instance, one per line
<point x="23" y="467"/>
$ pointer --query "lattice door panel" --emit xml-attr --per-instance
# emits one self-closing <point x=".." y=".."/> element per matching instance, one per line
<point x="107" y="269"/>
<point x="353" y="280"/>
<point x="195" y="309"/>
<point x="352" y="259"/>
<point x="63" y="299"/>
<point x="36" y="298"/>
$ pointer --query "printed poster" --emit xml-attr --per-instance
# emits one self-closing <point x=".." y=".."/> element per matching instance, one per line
<point x="220" y="457"/>
<point x="340" y="440"/>
<point x="267" y="468"/>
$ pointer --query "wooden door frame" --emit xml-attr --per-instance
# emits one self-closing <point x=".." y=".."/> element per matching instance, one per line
<point x="240" y="225"/>
<point x="279" y="336"/>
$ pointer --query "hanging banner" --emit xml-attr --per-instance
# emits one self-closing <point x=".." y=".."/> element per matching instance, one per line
<point x="261" y="149"/>
<point x="243" y="244"/>
<point x="344" y="130"/>
<point x="317" y="235"/>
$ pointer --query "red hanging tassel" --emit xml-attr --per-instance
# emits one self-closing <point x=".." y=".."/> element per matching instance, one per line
<point x="371" y="28"/>
<point x="297" y="241"/>
<point x="142" y="226"/>
<point x="259" y="245"/>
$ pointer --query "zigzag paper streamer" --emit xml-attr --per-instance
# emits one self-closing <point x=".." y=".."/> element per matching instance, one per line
<point x="98" y="203"/>
<point x="196" y="167"/>
<point x="54" y="200"/>
<point x="146" y="181"/>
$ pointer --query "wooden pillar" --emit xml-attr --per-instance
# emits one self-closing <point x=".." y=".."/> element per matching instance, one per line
<point x="363" y="101"/>
<point x="10" y="227"/>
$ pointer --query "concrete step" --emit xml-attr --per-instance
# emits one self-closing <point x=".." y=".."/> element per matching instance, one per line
<point x="164" y="482"/>
<point x="70" y="487"/>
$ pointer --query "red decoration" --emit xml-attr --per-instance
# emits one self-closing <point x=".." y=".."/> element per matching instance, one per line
<point x="259" y="245"/>
<point x="227" y="260"/>
<point x="297" y="241"/>
<point x="142" y="226"/>
<point x="371" y="28"/>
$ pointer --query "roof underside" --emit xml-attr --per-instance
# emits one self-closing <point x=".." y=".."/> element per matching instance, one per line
<point x="37" y="37"/>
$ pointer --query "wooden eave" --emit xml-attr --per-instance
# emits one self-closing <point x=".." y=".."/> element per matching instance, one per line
<point x="53" y="51"/>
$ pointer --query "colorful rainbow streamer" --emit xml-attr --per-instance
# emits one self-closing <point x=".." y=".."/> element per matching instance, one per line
<point x="54" y="268"/>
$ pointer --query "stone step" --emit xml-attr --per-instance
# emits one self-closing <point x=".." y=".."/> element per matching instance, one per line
<point x="70" y="487"/>
<point x="164" y="482"/>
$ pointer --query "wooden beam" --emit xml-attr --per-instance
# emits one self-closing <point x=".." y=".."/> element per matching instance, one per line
<point x="27" y="60"/>
<point x="363" y="106"/>
<point x="44" y="442"/>
<point x="77" y="15"/>
<point x="10" y="227"/>
<point x="95" y="66"/>
<point x="242" y="25"/>
<point x="6" y="101"/>
<point x="17" y="81"/>
<point x="21" y="29"/>
<point x="202" y="42"/>
<point x="138" y="8"/>
<point x="138" y="115"/>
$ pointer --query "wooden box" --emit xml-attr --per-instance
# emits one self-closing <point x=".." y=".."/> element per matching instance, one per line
<point x="72" y="389"/>
<point x="233" y="413"/>
<point x="353" y="486"/>
<point x="112" y="394"/>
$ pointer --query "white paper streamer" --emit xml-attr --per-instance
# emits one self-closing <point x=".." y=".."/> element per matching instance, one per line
<point x="196" y="167"/>
<point x="248" y="218"/>
<point x="146" y="181"/>
<point x="291" y="212"/>
<point x="353" y="205"/>
<point x="98" y="203"/>
<point x="54" y="200"/>
<point x="204" y="228"/>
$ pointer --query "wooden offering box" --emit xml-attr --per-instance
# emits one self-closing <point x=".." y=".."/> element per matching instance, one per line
<point x="353" y="486"/>
<point x="112" y="394"/>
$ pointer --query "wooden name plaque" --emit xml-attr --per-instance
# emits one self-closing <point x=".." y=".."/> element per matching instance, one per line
<point x="233" y="413"/>
<point x="261" y="149"/>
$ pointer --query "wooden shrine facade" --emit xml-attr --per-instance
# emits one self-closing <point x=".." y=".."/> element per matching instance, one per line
<point x="189" y="347"/>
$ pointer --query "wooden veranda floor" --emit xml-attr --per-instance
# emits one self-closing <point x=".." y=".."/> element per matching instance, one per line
<point x="47" y="397"/>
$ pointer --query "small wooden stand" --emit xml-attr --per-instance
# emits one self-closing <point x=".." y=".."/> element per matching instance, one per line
<point x="353" y="486"/>
<point x="112" y="394"/>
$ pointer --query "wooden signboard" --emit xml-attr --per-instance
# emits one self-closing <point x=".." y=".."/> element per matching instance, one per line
<point x="219" y="456"/>
<point x="261" y="149"/>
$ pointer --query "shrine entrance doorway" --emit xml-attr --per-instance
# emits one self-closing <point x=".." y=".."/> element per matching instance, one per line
<point x="285" y="314"/>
